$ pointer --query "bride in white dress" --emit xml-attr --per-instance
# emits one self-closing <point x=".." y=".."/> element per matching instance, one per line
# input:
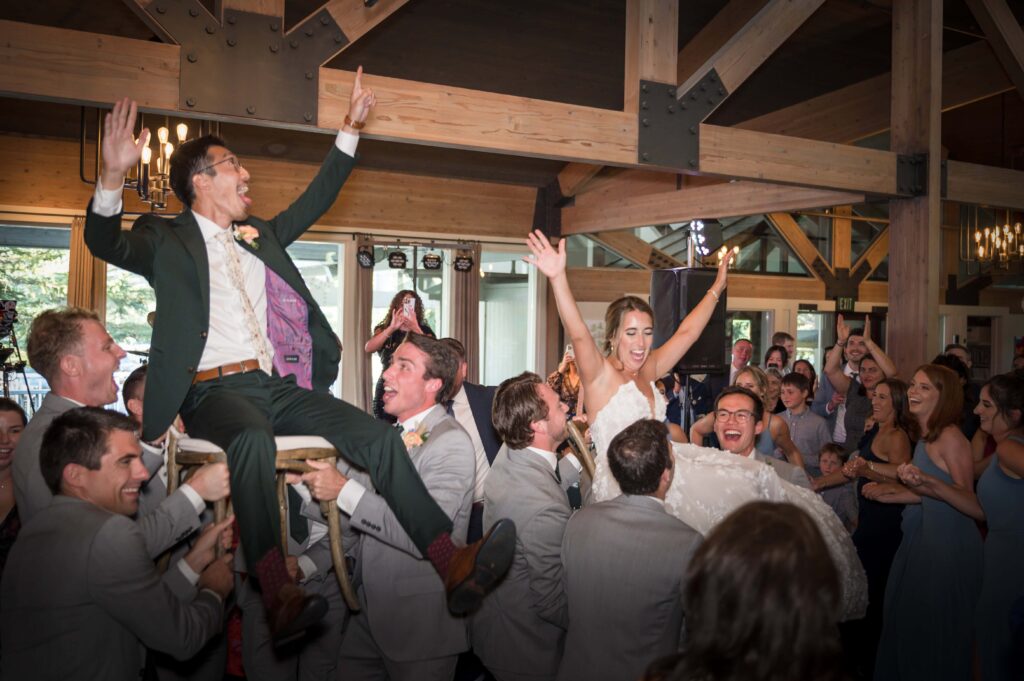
<point x="618" y="389"/>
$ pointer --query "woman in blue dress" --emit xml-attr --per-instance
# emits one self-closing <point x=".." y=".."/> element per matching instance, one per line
<point x="1000" y="621"/>
<point x="935" y="578"/>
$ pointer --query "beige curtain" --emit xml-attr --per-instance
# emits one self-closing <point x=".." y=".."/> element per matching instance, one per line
<point x="466" y="313"/>
<point x="87" y="277"/>
<point x="357" y="373"/>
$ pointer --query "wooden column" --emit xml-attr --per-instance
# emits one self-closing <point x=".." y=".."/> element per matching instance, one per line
<point x="914" y="222"/>
<point x="652" y="34"/>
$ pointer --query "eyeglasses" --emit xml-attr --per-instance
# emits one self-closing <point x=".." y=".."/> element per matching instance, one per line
<point x="233" y="160"/>
<point x="742" y="416"/>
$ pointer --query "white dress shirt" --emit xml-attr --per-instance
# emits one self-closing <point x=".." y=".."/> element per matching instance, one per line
<point x="464" y="415"/>
<point x="228" y="338"/>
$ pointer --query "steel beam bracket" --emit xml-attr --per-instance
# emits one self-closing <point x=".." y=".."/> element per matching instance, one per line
<point x="248" y="66"/>
<point x="669" y="122"/>
<point x="912" y="174"/>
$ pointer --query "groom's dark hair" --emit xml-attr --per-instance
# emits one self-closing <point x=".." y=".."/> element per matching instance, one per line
<point x="639" y="455"/>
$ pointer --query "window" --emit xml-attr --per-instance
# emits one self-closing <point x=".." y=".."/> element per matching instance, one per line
<point x="505" y="309"/>
<point x="35" y="262"/>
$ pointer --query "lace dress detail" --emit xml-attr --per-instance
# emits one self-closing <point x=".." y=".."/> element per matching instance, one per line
<point x="709" y="484"/>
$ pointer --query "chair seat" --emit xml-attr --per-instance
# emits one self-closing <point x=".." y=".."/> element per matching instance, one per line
<point x="283" y="443"/>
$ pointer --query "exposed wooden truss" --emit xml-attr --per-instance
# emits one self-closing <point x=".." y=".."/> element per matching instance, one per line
<point x="1004" y="35"/>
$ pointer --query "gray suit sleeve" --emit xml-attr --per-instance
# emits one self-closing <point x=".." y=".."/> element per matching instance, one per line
<point x="542" y="542"/>
<point x="570" y="474"/>
<point x="179" y="585"/>
<point x="169" y="523"/>
<point x="448" y="475"/>
<point x="822" y="396"/>
<point x="123" y="581"/>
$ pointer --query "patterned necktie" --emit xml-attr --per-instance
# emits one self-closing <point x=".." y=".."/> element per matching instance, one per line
<point x="251" y="323"/>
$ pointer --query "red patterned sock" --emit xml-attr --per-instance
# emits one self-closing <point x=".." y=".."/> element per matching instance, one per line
<point x="272" y="574"/>
<point x="440" y="553"/>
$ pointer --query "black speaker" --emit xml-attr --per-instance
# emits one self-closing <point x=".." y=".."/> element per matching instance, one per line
<point x="674" y="293"/>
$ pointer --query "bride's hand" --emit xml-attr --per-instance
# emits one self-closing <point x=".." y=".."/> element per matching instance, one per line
<point x="549" y="261"/>
<point x="721" y="279"/>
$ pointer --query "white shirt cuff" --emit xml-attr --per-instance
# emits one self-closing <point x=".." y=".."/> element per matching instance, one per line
<point x="346" y="143"/>
<point x="215" y="595"/>
<point x="191" y="575"/>
<point x="308" y="567"/>
<point x="350" y="495"/>
<point x="571" y="458"/>
<point x="197" y="501"/>
<point x="106" y="202"/>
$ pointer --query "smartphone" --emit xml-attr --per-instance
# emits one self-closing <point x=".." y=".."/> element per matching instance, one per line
<point x="410" y="307"/>
<point x="569" y="353"/>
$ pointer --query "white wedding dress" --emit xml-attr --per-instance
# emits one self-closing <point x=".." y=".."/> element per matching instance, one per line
<point x="708" y="484"/>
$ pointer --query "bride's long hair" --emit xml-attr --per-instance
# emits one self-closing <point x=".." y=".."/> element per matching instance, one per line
<point x="614" y="314"/>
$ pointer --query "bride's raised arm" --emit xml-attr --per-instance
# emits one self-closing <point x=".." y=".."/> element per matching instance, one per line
<point x="668" y="355"/>
<point x="551" y="263"/>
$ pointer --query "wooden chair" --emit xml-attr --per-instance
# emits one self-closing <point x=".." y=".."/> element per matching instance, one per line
<point x="580" y="447"/>
<point x="292" y="453"/>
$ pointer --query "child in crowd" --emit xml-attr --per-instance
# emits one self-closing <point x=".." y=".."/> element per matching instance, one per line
<point x="842" y="498"/>
<point x="808" y="431"/>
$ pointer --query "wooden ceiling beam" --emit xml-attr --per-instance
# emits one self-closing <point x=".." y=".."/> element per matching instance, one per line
<point x="270" y="8"/>
<point x="86" y="68"/>
<point x="752" y="44"/>
<point x="875" y="253"/>
<point x="852" y="113"/>
<point x="575" y="176"/>
<point x="715" y="34"/>
<point x="1004" y="35"/>
<point x="797" y="239"/>
<point x="749" y="155"/>
<point x="353" y="17"/>
<point x="652" y="43"/>
<point x="635" y="249"/>
<point x="984" y="185"/>
<point x="592" y="213"/>
<point x="441" y="115"/>
<point x="604" y="284"/>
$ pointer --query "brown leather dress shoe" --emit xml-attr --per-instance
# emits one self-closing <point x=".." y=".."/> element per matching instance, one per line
<point x="293" y="612"/>
<point x="477" y="568"/>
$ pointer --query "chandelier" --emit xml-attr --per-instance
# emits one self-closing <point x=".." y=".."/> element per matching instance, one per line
<point x="150" y="177"/>
<point x="987" y="243"/>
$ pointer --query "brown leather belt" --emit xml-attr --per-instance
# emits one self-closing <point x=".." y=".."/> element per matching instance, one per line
<point x="226" y="370"/>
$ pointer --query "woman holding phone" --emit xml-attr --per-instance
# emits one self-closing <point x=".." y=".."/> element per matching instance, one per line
<point x="405" y="315"/>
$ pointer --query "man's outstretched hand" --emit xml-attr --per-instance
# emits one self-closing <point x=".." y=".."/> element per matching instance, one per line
<point x="120" y="148"/>
<point x="361" y="102"/>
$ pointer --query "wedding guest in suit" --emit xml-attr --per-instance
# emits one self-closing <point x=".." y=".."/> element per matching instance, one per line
<point x="742" y="351"/>
<point x="788" y="343"/>
<point x="471" y="406"/>
<point x="519" y="630"/>
<point x="81" y="591"/>
<point x="226" y="289"/>
<point x="405" y="316"/>
<point x="624" y="562"/>
<point x="404" y="630"/>
<point x="77" y="357"/>
<point x="210" y="662"/>
<point x="761" y="601"/>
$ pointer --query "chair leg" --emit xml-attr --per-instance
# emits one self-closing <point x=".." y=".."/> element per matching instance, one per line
<point x="330" y="509"/>
<point x="282" y="505"/>
<point x="220" y="508"/>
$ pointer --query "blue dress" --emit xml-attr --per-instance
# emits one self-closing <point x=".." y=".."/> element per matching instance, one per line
<point x="930" y="599"/>
<point x="1002" y="591"/>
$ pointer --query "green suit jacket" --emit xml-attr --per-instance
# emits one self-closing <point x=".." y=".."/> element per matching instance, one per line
<point x="171" y="255"/>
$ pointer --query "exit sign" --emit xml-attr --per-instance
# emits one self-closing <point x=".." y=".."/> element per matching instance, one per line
<point x="845" y="303"/>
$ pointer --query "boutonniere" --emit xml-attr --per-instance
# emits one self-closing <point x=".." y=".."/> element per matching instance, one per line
<point x="249" y="235"/>
<point x="415" y="438"/>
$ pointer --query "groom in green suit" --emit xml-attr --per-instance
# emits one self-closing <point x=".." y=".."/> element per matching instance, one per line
<point x="218" y="274"/>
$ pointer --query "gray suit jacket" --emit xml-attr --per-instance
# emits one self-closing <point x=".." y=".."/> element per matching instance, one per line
<point x="624" y="565"/>
<point x="785" y="470"/>
<point x="80" y="592"/>
<point x="521" y="625"/>
<point x="170" y="522"/>
<point x="403" y="599"/>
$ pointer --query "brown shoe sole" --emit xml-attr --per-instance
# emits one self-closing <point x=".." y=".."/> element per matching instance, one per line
<point x="492" y="562"/>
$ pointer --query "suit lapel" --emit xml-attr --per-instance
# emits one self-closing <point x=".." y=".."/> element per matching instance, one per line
<point x="188" y="231"/>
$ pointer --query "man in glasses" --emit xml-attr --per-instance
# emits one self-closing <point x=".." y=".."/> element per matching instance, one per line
<point x="242" y="351"/>
<point x="739" y="416"/>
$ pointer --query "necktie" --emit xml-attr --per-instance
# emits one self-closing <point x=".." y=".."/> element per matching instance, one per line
<point x="251" y="323"/>
<point x="298" y="527"/>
